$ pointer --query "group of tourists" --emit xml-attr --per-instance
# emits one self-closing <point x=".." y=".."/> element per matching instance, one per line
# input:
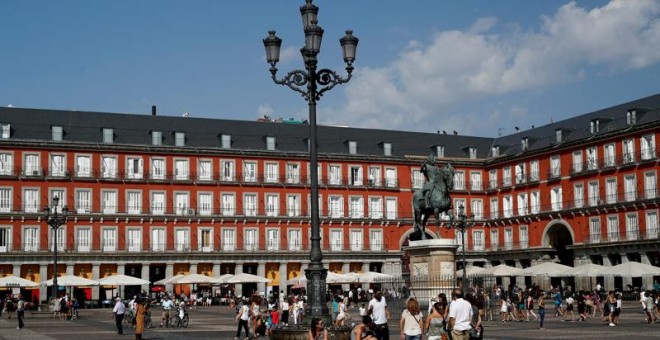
<point x="65" y="308"/>
<point x="14" y="303"/>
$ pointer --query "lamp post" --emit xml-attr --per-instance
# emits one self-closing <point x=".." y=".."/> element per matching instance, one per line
<point x="312" y="84"/>
<point x="461" y="223"/>
<point x="55" y="220"/>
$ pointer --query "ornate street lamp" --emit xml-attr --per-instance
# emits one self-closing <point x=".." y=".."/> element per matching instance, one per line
<point x="55" y="220"/>
<point x="461" y="223"/>
<point x="312" y="84"/>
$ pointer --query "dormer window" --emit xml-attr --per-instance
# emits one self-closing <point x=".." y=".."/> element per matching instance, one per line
<point x="156" y="138"/>
<point x="524" y="144"/>
<point x="631" y="117"/>
<point x="595" y="126"/>
<point x="179" y="139"/>
<point x="108" y="135"/>
<point x="270" y="143"/>
<point x="473" y="152"/>
<point x="440" y="151"/>
<point x="387" y="149"/>
<point x="558" y="136"/>
<point x="225" y="141"/>
<point x="495" y="151"/>
<point x="6" y="130"/>
<point x="57" y="133"/>
<point x="352" y="147"/>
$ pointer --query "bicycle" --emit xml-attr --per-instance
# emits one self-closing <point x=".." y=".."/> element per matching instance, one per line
<point x="177" y="321"/>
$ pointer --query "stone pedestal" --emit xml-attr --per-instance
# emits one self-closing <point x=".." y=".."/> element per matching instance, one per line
<point x="432" y="268"/>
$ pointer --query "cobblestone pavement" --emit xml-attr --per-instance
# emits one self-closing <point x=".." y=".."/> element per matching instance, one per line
<point x="217" y="322"/>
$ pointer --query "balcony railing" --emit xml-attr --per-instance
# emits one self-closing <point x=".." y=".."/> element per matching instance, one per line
<point x="623" y="236"/>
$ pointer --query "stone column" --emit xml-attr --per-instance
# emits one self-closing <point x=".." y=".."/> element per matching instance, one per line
<point x="43" y="290"/>
<point x="647" y="281"/>
<point x="96" y="270"/>
<point x="145" y="276"/>
<point x="16" y="270"/>
<point x="193" y="268"/>
<point x="69" y="269"/>
<point x="169" y="272"/>
<point x="216" y="270"/>
<point x="608" y="280"/>
<point x="261" y="272"/>
<point x="238" y="288"/>
<point x="345" y="268"/>
<point x="626" y="280"/>
<point x="121" y="269"/>
<point x="520" y="280"/>
<point x="283" y="277"/>
<point x="303" y="267"/>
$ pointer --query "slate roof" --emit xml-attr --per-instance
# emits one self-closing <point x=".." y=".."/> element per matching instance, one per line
<point x="205" y="133"/>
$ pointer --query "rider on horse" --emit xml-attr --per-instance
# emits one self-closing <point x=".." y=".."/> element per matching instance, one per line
<point x="430" y="171"/>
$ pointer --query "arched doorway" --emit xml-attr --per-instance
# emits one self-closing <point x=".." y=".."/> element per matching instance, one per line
<point x="558" y="236"/>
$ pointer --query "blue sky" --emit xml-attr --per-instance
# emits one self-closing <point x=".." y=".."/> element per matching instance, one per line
<point x="479" y="67"/>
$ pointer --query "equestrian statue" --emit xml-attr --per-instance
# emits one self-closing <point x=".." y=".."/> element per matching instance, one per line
<point x="433" y="197"/>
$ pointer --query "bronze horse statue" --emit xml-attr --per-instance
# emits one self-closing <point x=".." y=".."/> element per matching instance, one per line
<point x="436" y="200"/>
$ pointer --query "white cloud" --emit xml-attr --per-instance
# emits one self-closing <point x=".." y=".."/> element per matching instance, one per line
<point x="431" y="81"/>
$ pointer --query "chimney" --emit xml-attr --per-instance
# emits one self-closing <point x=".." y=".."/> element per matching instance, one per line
<point x="153" y="110"/>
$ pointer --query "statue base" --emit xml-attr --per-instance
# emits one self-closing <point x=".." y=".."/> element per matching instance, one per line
<point x="432" y="268"/>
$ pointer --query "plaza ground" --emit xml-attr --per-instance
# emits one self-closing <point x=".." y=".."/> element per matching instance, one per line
<point x="217" y="322"/>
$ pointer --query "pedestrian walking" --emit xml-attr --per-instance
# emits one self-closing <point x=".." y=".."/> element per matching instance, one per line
<point x="411" y="322"/>
<point x="20" y="311"/>
<point x="118" y="314"/>
<point x="541" y="303"/>
<point x="379" y="314"/>
<point x="242" y="318"/>
<point x="460" y="316"/>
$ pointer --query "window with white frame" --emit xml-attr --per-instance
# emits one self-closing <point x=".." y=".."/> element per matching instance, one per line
<point x="309" y="205"/>
<point x="181" y="203"/>
<point x="294" y="239"/>
<point x="507" y="206"/>
<point x="594" y="229"/>
<point x="5" y="239"/>
<point x="250" y="204"/>
<point x="158" y="239"/>
<point x="495" y="151"/>
<point x="57" y="165"/>
<point x="30" y="238"/>
<point x="31" y="200"/>
<point x="205" y="170"/>
<point x="593" y="194"/>
<point x="390" y="177"/>
<point x="458" y="203"/>
<point x="524" y="144"/>
<point x="336" y="240"/>
<point x="475" y="181"/>
<point x="494" y="209"/>
<point x="556" y="199"/>
<point x="156" y="138"/>
<point x="577" y="161"/>
<point x="459" y="180"/>
<point x="555" y="166"/>
<point x="578" y="195"/>
<point x="477" y="209"/>
<point x="228" y="204"/>
<point x="249" y="171"/>
<point x="594" y="126"/>
<point x="31" y="165"/>
<point x="157" y="203"/>
<point x="628" y="147"/>
<point x="506" y="176"/>
<point x="612" y="228"/>
<point x="293" y="173"/>
<point x="83" y="239"/>
<point x="352" y="147"/>
<point x="134" y="239"/>
<point x="417" y="179"/>
<point x="272" y="172"/>
<point x="376" y="239"/>
<point x="6" y="164"/>
<point x="158" y="168"/>
<point x="61" y="194"/>
<point x="440" y="151"/>
<point x="108" y="135"/>
<point x="134" y="167"/>
<point x="109" y="201"/>
<point x="5" y="130"/>
<point x="521" y="173"/>
<point x="631" y="117"/>
<point x="355" y="173"/>
<point x="272" y="205"/>
<point x="492" y="179"/>
<point x="335" y="206"/>
<point x="5" y="200"/>
<point x="375" y="207"/>
<point x="632" y="227"/>
<point x="182" y="239"/>
<point x="319" y="174"/>
<point x="478" y="240"/>
<point x="251" y="239"/>
<point x="592" y="158"/>
<point x="83" y="204"/>
<point x="534" y="170"/>
<point x="535" y="202"/>
<point x="108" y="166"/>
<point x="225" y="141"/>
<point x="356" y="207"/>
<point x="387" y="149"/>
<point x="181" y="169"/>
<point x="508" y="238"/>
<point x="205" y="239"/>
<point x="60" y="239"/>
<point x="651" y="219"/>
<point x="630" y="187"/>
<point x="609" y="157"/>
<point x="473" y="152"/>
<point x="523" y="204"/>
<point x="357" y="240"/>
<point x="228" y="167"/>
<point x="228" y="239"/>
<point x="458" y="238"/>
<point x="270" y="143"/>
<point x="272" y="239"/>
<point x="374" y="175"/>
<point x="179" y="139"/>
<point x="83" y="166"/>
<point x="293" y="205"/>
<point x="523" y="236"/>
<point x="205" y="203"/>
<point x="610" y="190"/>
<point x="494" y="239"/>
<point x="650" y="185"/>
<point x="334" y="172"/>
<point x="109" y="239"/>
<point x="558" y="135"/>
<point x="57" y="133"/>
<point x="647" y="147"/>
<point x="134" y="202"/>
<point x="390" y="208"/>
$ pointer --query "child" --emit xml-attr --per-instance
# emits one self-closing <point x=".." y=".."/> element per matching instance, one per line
<point x="274" y="320"/>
